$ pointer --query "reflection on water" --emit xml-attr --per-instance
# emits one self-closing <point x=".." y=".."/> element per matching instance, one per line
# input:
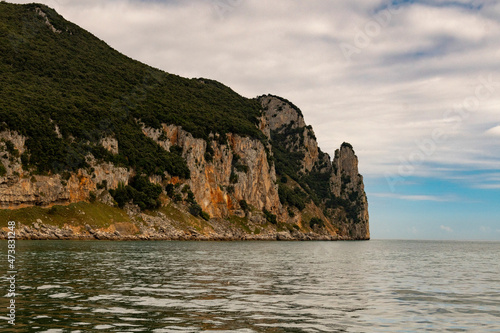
<point x="375" y="286"/>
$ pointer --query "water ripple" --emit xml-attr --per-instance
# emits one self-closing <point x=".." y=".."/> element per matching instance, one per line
<point x="376" y="286"/>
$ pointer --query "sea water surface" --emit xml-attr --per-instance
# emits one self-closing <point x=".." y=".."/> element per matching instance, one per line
<point x="371" y="286"/>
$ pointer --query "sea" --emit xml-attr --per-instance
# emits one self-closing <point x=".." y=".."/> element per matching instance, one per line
<point x="171" y="286"/>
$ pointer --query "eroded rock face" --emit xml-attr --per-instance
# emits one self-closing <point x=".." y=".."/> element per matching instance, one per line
<point x="217" y="192"/>
<point x="18" y="188"/>
<point x="18" y="191"/>
<point x="224" y="172"/>
<point x="279" y="113"/>
<point x="214" y="187"/>
<point x="279" y="117"/>
<point x="41" y="13"/>
<point x="346" y="182"/>
<point x="283" y="121"/>
<point x="17" y="139"/>
<point x="110" y="144"/>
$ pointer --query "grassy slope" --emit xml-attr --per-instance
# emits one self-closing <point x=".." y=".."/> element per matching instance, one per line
<point x="97" y="215"/>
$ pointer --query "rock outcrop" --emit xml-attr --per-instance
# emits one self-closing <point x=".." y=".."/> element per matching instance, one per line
<point x="237" y="170"/>
<point x="19" y="188"/>
<point x="335" y="187"/>
<point x="227" y="176"/>
<point x="348" y="184"/>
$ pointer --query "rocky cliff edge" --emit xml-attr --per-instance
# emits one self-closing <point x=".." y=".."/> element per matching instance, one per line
<point x="280" y="187"/>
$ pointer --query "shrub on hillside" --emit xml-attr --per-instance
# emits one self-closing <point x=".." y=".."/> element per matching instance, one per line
<point x="316" y="221"/>
<point x="140" y="191"/>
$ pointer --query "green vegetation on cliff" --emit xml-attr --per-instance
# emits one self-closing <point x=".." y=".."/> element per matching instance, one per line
<point x="140" y="191"/>
<point x="96" y="215"/>
<point x="65" y="90"/>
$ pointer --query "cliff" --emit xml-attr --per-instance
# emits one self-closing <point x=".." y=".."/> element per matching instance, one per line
<point x="131" y="152"/>
<point x="311" y="185"/>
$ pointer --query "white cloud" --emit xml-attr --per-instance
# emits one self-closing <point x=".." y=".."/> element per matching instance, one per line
<point x="488" y="186"/>
<point x="407" y="197"/>
<point x="446" y="228"/>
<point x="426" y="60"/>
<point x="484" y="181"/>
<point x="494" y="131"/>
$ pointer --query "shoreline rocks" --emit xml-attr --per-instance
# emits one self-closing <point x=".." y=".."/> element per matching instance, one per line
<point x="40" y="231"/>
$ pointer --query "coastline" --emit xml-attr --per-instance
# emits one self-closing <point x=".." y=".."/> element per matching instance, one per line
<point x="50" y="232"/>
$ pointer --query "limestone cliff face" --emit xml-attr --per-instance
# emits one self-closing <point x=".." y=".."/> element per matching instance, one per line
<point x="280" y="113"/>
<point x="19" y="188"/>
<point x="281" y="116"/>
<point x="345" y="207"/>
<point x="219" y="184"/>
<point x="18" y="191"/>
<point x="224" y="172"/>
<point x="237" y="170"/>
<point x="347" y="183"/>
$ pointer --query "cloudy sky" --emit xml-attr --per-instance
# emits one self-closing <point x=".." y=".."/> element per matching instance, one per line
<point x="414" y="86"/>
